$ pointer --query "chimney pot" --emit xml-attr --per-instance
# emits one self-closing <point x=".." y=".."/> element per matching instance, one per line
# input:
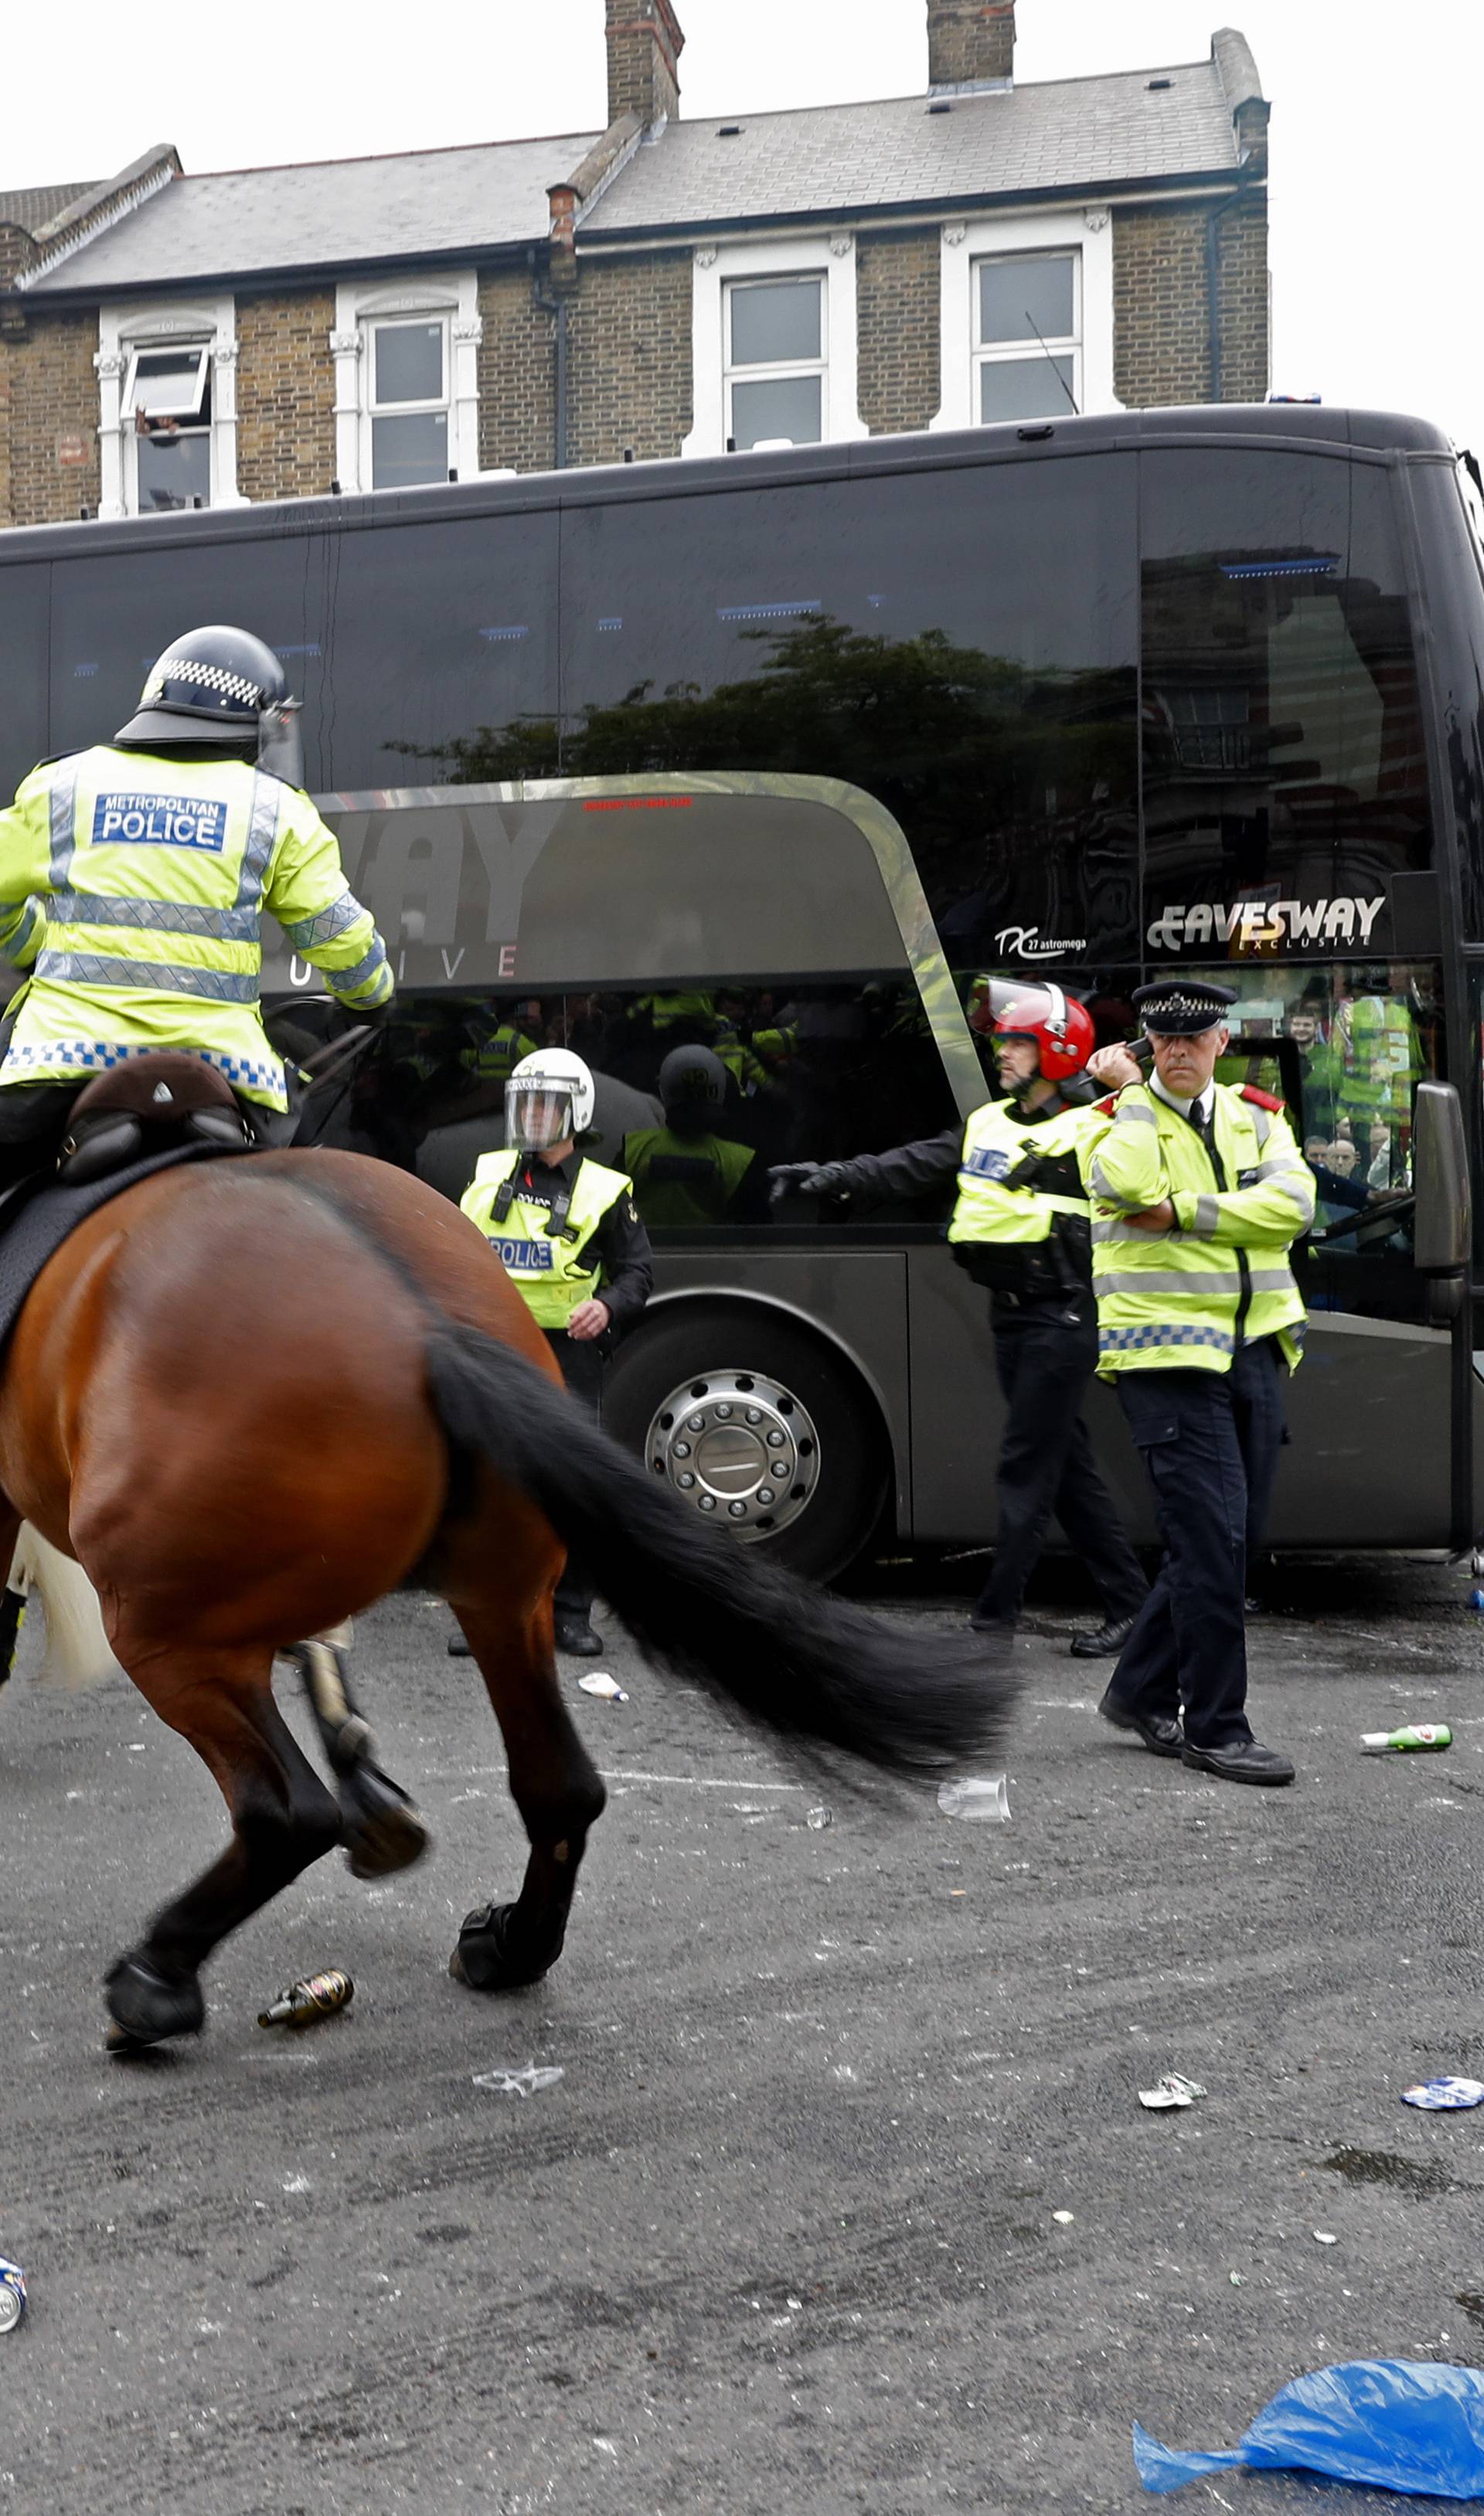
<point x="645" y="43"/>
<point x="970" y="43"/>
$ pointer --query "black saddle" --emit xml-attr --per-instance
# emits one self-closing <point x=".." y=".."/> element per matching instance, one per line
<point x="148" y="1105"/>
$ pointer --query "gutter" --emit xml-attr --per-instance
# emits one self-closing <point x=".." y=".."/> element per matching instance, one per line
<point x="1213" y="218"/>
<point x="546" y="301"/>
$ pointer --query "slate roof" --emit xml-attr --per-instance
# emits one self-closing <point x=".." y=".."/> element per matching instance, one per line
<point x="1063" y="134"/>
<point x="33" y="209"/>
<point x="327" y="216"/>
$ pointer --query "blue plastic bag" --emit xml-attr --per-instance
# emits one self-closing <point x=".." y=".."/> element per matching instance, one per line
<point x="1393" y="2423"/>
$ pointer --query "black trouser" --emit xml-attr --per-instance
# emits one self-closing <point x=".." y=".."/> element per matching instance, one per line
<point x="581" y="1365"/>
<point x="34" y="1120"/>
<point x="1210" y="1442"/>
<point x="1045" y="1353"/>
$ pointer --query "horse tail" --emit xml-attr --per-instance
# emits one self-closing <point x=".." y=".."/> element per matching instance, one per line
<point x="792" y="1657"/>
<point x="78" y="1650"/>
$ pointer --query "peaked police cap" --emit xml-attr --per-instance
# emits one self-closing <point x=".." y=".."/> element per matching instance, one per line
<point x="1182" y="1007"/>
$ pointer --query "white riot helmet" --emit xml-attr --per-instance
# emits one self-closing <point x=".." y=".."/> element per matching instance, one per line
<point x="548" y="1098"/>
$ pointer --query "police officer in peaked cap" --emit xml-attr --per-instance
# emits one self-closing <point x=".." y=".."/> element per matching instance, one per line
<point x="1020" y="1228"/>
<point x="1199" y="1191"/>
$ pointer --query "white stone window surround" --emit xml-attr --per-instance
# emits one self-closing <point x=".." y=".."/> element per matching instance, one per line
<point x="967" y="242"/>
<point x="361" y="304"/>
<point x="123" y="329"/>
<point x="829" y="256"/>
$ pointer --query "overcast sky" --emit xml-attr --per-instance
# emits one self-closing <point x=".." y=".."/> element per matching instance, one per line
<point x="1376" y="140"/>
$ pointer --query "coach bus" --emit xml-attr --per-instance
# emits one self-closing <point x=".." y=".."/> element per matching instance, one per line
<point x="786" y="754"/>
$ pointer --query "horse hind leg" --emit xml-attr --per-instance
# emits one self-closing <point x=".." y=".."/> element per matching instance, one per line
<point x="383" y="1830"/>
<point x="283" y="1818"/>
<point x="556" y="1787"/>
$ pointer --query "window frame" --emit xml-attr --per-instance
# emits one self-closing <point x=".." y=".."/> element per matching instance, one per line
<point x="831" y="257"/>
<point x="128" y="332"/>
<point x="1019" y="353"/>
<point x="361" y="309"/>
<point x="419" y="407"/>
<point x="761" y="372"/>
<point x="966" y="244"/>
<point x="189" y="409"/>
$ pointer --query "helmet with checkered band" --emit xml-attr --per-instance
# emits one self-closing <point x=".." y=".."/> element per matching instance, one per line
<point x="218" y="687"/>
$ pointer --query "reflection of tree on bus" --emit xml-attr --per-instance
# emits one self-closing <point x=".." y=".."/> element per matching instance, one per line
<point x="963" y="747"/>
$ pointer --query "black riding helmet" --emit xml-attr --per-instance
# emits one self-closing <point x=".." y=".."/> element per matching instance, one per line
<point x="220" y="690"/>
<point x="693" y="1086"/>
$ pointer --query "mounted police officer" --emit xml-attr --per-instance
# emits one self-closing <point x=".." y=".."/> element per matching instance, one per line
<point x="134" y="878"/>
<point x="1020" y="1227"/>
<point x="1200" y="1188"/>
<point x="570" y="1234"/>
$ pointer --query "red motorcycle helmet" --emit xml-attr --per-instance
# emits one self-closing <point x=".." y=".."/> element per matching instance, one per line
<point x="1061" y="1027"/>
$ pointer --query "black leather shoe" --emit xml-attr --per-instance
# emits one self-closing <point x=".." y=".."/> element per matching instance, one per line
<point x="458" y="1648"/>
<point x="1162" y="1735"/>
<point x="575" y="1635"/>
<point x="1244" y="1760"/>
<point x="1107" y="1641"/>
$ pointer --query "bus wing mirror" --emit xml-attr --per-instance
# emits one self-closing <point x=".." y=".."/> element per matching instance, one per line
<point x="1442" y="1236"/>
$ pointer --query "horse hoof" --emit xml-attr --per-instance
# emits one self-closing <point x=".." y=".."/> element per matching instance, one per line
<point x="146" y="2006"/>
<point x="483" y="1958"/>
<point x="383" y="1830"/>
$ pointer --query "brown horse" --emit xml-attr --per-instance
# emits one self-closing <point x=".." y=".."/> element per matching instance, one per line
<point x="254" y="1396"/>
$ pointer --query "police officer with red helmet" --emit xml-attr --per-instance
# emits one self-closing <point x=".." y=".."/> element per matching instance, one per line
<point x="1022" y="1228"/>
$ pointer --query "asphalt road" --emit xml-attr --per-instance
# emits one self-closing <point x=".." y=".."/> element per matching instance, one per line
<point x="783" y="2236"/>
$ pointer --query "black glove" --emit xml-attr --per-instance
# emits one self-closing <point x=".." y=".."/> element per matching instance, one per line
<point x="808" y="1179"/>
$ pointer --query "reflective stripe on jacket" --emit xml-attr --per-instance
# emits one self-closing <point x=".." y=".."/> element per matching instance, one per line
<point x="551" y="1268"/>
<point x="997" y="1139"/>
<point x="1190" y="1296"/>
<point x="133" y="889"/>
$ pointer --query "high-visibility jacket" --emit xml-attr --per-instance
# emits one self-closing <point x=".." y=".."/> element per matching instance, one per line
<point x="550" y="1257"/>
<point x="995" y="1138"/>
<point x="1189" y="1297"/>
<point x="684" y="1180"/>
<point x="133" y="888"/>
<point x="494" y="1059"/>
<point x="1383" y="1060"/>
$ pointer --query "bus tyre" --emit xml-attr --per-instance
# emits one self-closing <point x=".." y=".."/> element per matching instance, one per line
<point x="757" y="1425"/>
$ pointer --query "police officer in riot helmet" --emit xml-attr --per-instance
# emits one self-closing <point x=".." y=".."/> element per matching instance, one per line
<point x="691" y="1172"/>
<point x="571" y="1237"/>
<point x="1021" y="1228"/>
<point x="133" y="880"/>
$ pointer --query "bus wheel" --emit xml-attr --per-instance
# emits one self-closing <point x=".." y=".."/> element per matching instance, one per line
<point x="757" y="1425"/>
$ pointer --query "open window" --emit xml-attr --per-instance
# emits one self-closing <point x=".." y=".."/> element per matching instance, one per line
<point x="167" y="395"/>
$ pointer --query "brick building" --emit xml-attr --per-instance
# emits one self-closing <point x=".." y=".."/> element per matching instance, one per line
<point x="982" y="251"/>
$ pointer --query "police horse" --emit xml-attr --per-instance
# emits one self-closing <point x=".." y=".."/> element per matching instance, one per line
<point x="248" y="1397"/>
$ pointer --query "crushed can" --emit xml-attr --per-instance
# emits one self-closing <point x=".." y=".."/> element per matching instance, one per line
<point x="1434" y="1735"/>
<point x="12" y="2294"/>
<point x="316" y="1996"/>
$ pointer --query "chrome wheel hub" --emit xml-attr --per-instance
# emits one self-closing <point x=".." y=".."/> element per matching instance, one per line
<point x="739" y="1447"/>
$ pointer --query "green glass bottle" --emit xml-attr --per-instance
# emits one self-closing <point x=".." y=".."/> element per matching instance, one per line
<point x="1434" y="1734"/>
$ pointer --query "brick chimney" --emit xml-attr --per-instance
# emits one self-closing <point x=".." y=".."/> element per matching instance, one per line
<point x="970" y="43"/>
<point x="644" y="48"/>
